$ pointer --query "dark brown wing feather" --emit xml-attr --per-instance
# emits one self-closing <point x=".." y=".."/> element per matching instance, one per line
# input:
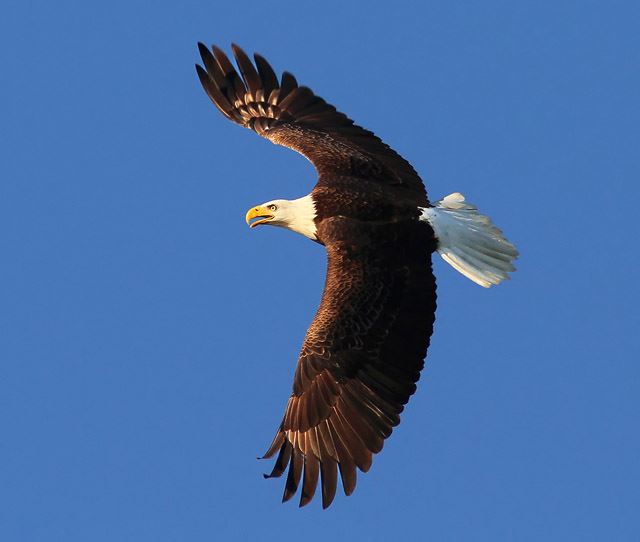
<point x="362" y="355"/>
<point x="292" y="116"/>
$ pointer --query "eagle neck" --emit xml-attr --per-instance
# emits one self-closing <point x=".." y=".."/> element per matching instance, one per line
<point x="303" y="216"/>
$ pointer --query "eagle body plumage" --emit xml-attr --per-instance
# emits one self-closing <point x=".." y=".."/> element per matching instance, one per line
<point x="363" y="353"/>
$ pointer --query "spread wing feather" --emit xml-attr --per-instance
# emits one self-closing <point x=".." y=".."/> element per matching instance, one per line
<point x="293" y="116"/>
<point x="361" y="357"/>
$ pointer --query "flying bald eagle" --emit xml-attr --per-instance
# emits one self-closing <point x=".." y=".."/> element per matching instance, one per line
<point x="363" y="353"/>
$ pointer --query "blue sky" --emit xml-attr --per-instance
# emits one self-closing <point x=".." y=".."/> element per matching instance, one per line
<point x="148" y="338"/>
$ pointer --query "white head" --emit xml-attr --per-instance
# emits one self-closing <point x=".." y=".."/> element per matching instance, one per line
<point x="297" y="215"/>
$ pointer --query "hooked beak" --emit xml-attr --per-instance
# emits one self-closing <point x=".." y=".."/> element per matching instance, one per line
<point x="258" y="212"/>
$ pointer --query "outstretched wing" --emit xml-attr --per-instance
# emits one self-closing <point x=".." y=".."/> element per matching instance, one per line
<point x="362" y="355"/>
<point x="292" y="116"/>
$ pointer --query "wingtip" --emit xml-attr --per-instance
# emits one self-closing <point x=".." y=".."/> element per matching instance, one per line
<point x="203" y="50"/>
<point x="216" y="50"/>
<point x="287" y="495"/>
<point x="203" y="75"/>
<point x="328" y="497"/>
<point x="239" y="54"/>
<point x="289" y="75"/>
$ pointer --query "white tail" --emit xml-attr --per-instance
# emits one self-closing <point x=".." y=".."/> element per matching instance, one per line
<point x="469" y="241"/>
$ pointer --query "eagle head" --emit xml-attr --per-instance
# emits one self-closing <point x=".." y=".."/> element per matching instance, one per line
<point x="273" y="212"/>
<point x="297" y="215"/>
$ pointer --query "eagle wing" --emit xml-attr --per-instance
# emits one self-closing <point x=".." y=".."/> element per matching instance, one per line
<point x="293" y="116"/>
<point x="361" y="357"/>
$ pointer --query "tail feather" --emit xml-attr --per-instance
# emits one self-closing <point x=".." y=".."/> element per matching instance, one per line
<point x="469" y="241"/>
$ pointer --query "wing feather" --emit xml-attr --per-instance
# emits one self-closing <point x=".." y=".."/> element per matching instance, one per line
<point x="310" y="479"/>
<point x="216" y="95"/>
<point x="287" y="84"/>
<point x="349" y="387"/>
<point x="291" y="115"/>
<point x="329" y="475"/>
<point x="326" y="441"/>
<point x="235" y="83"/>
<point x="293" y="477"/>
<point x="281" y="462"/>
<point x="346" y="464"/>
<point x="362" y="455"/>
<point x="249" y="73"/>
<point x="267" y="75"/>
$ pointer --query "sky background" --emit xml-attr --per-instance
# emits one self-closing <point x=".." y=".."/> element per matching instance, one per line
<point x="148" y="338"/>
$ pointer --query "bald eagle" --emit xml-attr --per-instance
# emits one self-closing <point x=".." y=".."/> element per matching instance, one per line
<point x="363" y="353"/>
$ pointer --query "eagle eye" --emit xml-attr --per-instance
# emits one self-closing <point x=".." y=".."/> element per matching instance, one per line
<point x="273" y="207"/>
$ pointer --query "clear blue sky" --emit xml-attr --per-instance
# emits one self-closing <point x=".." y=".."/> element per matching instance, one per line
<point x="148" y="337"/>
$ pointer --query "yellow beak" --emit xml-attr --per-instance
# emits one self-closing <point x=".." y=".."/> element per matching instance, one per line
<point x="258" y="212"/>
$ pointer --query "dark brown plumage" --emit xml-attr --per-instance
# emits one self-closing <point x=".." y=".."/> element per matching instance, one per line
<point x="364" y="351"/>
